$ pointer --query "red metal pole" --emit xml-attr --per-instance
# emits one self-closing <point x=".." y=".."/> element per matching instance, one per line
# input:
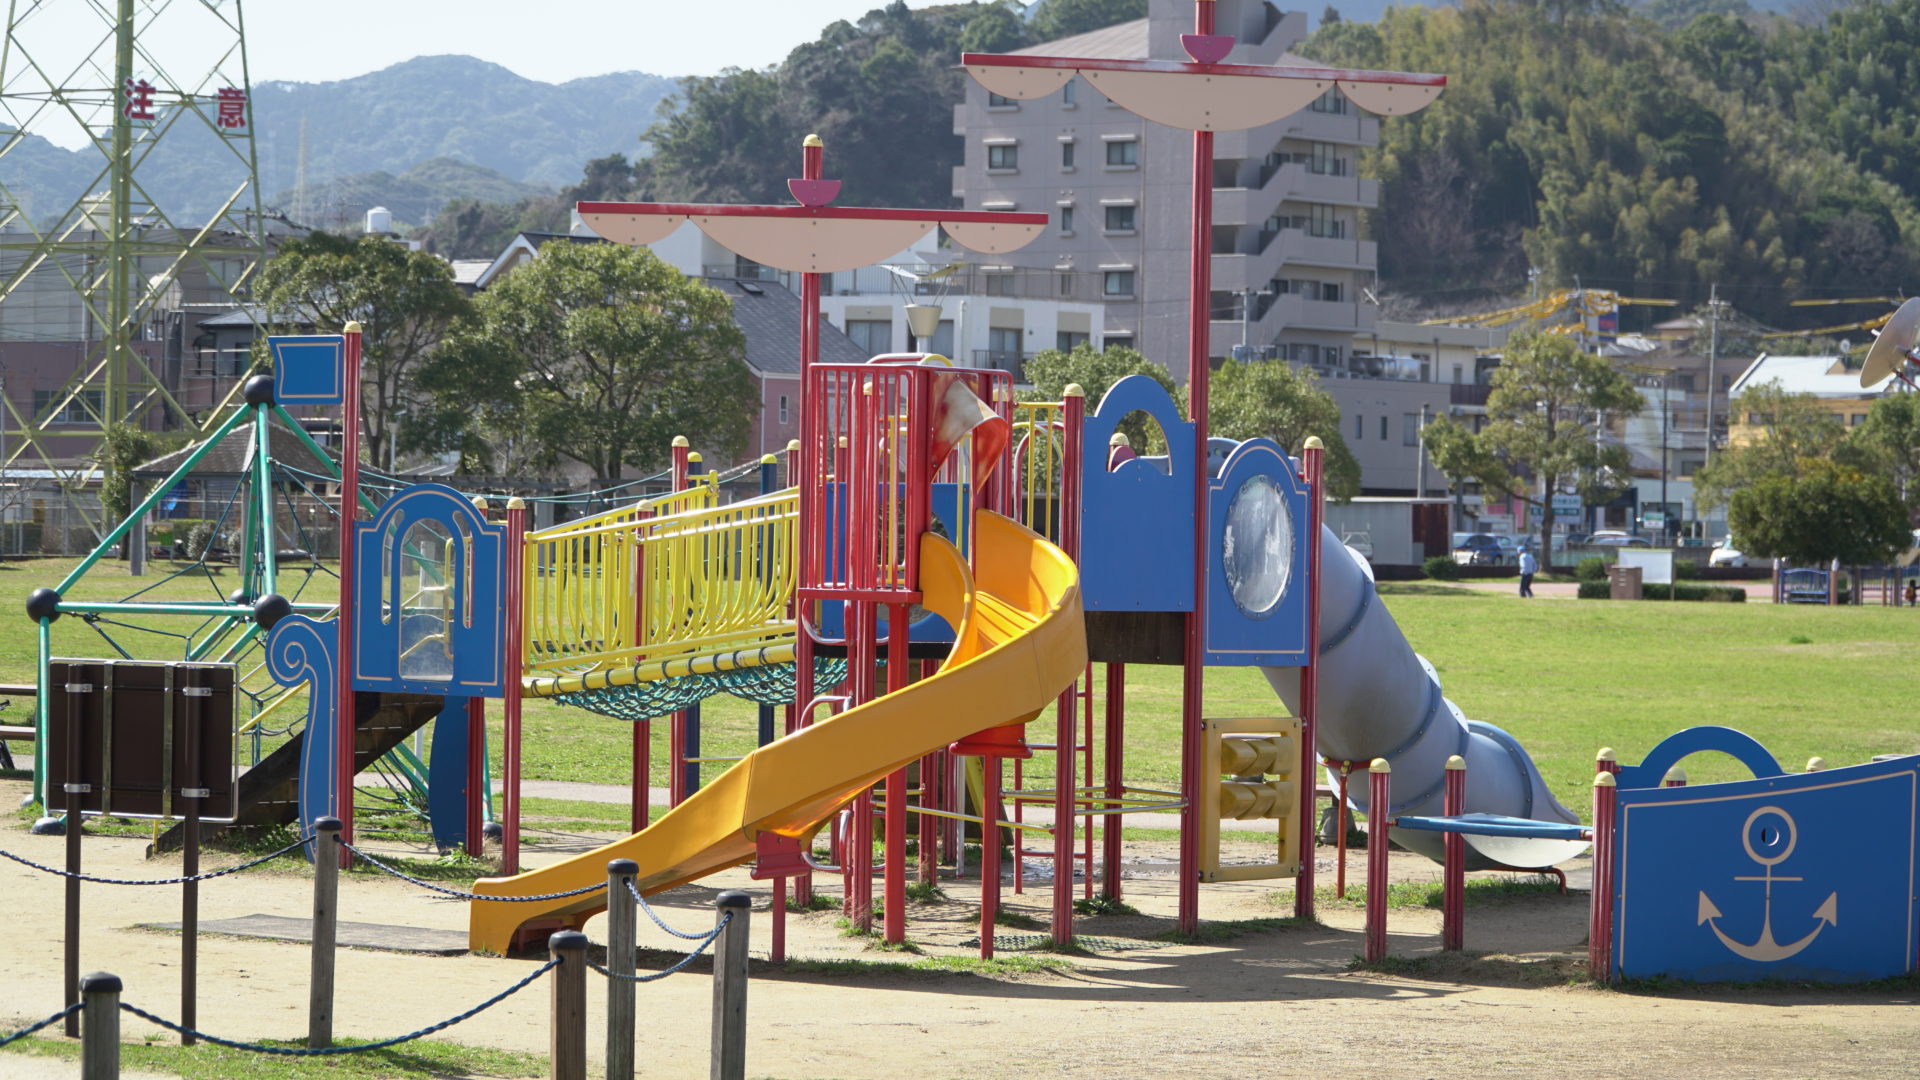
<point x="677" y="722"/>
<point x="347" y="727"/>
<point x="1340" y="830"/>
<point x="1453" y="894"/>
<point x="1073" y="411"/>
<point x="989" y="852"/>
<point x="895" y="892"/>
<point x="1600" y="921"/>
<point x="1605" y="761"/>
<point x="476" y="773"/>
<point x="1379" y="807"/>
<point x="1313" y="456"/>
<point x="1111" y="826"/>
<point x="1199" y="343"/>
<point x="516" y="656"/>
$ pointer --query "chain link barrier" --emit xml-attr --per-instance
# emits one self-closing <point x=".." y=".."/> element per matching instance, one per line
<point x="335" y="1051"/>
<point x="460" y="895"/>
<point x="209" y="875"/>
<point x="48" y="1022"/>
<point x="651" y="914"/>
<point x="705" y="940"/>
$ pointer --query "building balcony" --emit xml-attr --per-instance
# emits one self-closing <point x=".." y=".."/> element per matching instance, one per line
<point x="1289" y="247"/>
<point x="1003" y="360"/>
<point x="1291" y="182"/>
<point x="1468" y="395"/>
<point x="1290" y="312"/>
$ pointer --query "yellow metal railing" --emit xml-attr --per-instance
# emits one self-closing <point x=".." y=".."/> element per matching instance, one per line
<point x="1039" y="453"/>
<point x="624" y="588"/>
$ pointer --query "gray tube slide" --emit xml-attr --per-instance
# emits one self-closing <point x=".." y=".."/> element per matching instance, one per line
<point x="1379" y="699"/>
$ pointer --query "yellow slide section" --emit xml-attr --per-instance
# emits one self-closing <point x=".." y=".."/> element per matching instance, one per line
<point x="1021" y="642"/>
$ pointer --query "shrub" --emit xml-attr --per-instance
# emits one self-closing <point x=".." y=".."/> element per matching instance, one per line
<point x="1591" y="568"/>
<point x="1686" y="570"/>
<point x="1441" y="568"/>
<point x="1598" y="590"/>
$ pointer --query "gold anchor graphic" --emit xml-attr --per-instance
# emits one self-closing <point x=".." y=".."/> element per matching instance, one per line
<point x="1766" y="948"/>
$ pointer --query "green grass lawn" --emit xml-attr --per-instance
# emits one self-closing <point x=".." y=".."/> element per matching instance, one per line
<point x="1566" y="677"/>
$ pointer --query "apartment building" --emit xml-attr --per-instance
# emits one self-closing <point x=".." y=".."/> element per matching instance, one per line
<point x="1289" y="268"/>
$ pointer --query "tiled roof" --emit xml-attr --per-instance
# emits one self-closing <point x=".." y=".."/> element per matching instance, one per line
<point x="769" y="314"/>
<point x="1821" y="376"/>
<point x="1121" y="41"/>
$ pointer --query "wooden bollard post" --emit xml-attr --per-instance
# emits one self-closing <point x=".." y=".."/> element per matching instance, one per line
<point x="100" y="1034"/>
<point x="1453" y="889"/>
<point x="1379" y="813"/>
<point x="732" y="910"/>
<point x="622" y="919"/>
<point x="567" y="1045"/>
<point x="326" y="921"/>
<point x="1600" y="919"/>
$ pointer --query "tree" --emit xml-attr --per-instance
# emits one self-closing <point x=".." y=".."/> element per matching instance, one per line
<point x="122" y="448"/>
<point x="600" y="354"/>
<point x="995" y="30"/>
<point x="1825" y="512"/>
<point x="1548" y="404"/>
<point x="1888" y="444"/>
<point x="1050" y="370"/>
<point x="1055" y="19"/>
<point x="1270" y="399"/>
<point x="1785" y="430"/>
<point x="404" y="300"/>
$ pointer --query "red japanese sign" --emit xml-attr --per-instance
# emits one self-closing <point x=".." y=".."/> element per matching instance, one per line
<point x="232" y="106"/>
<point x="137" y="103"/>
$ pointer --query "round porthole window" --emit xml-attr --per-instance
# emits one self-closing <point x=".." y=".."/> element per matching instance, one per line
<point x="1257" y="548"/>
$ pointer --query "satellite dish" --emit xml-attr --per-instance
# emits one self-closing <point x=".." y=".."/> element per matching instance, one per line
<point x="1889" y="352"/>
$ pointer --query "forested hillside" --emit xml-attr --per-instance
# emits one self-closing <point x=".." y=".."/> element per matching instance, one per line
<point x="1580" y="139"/>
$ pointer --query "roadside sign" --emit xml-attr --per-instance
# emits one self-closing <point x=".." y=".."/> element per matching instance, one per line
<point x="1564" y="503"/>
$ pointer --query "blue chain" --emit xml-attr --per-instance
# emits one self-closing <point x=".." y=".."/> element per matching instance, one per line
<point x="48" y="1022"/>
<point x="458" y="894"/>
<point x="153" y="881"/>
<point x="331" y="1051"/>
<point x="705" y="940"/>
<point x="648" y="908"/>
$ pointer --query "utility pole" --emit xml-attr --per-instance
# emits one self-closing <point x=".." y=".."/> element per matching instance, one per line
<point x="1666" y="415"/>
<point x="1420" y="455"/>
<point x="1713" y="356"/>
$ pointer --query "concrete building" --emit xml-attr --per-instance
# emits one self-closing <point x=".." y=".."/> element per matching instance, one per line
<point x="1828" y="380"/>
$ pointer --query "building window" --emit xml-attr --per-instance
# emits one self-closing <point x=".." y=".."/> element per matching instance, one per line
<point x="1123" y="152"/>
<point x="1066" y="155"/>
<point x="1065" y="284"/>
<point x="1321" y="160"/>
<point x="1330" y="291"/>
<point x="995" y="101"/>
<point x="1684" y="381"/>
<point x="1117" y="341"/>
<point x="875" y="336"/>
<point x="1410" y="434"/>
<point x="1333" y="101"/>
<point x="76" y="410"/>
<point x="1383" y="429"/>
<point x="1003" y="156"/>
<point x="1003" y="347"/>
<point x="1066" y="221"/>
<point x="1119" y="283"/>
<point x="1456" y="373"/>
<point x="1067" y="340"/>
<point x="1070" y="93"/>
<point x="1322" y="223"/>
<point x="1359" y="427"/>
<point x="1120" y="219"/>
<point x="783" y="408"/>
<point x="1856" y="419"/>
<point x="998" y="284"/>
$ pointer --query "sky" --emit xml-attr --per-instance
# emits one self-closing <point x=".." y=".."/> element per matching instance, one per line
<point x="548" y="40"/>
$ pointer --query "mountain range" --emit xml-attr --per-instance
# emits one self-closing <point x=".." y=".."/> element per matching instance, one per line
<point x="410" y="137"/>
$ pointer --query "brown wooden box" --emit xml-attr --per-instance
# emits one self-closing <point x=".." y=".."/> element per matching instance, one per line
<point x="135" y="721"/>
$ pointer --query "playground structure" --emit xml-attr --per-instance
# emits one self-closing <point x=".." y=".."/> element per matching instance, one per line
<point x="1051" y="554"/>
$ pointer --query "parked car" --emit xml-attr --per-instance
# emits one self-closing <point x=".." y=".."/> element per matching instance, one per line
<point x="1617" y="538"/>
<point x="1484" y="549"/>
<point x="1726" y="554"/>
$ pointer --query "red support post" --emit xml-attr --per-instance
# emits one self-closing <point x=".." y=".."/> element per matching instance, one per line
<point x="1379" y="818"/>
<point x="1606" y="761"/>
<point x="989" y="852"/>
<point x="1453" y="891"/>
<point x="1073" y="411"/>
<point x="1314" y="464"/>
<point x="1600" y="917"/>
<point x="476" y="773"/>
<point x="346" y="730"/>
<point x="1199" y="345"/>
<point x="894" y="895"/>
<point x="516" y="655"/>
<point x="1115" y="761"/>
<point x="1340" y="828"/>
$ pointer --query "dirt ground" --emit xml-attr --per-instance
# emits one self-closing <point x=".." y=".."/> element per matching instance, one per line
<point x="1273" y="1003"/>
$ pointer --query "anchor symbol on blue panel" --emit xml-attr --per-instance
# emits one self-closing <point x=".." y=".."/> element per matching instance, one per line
<point x="1769" y="836"/>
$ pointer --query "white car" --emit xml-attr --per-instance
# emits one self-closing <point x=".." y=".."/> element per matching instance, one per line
<point x="1725" y="554"/>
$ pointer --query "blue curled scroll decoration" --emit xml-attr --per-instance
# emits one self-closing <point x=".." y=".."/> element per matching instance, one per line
<point x="302" y="650"/>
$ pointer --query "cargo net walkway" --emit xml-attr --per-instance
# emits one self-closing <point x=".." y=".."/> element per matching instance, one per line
<point x="646" y="610"/>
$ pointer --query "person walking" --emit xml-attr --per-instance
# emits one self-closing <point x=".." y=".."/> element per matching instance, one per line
<point x="1529" y="566"/>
